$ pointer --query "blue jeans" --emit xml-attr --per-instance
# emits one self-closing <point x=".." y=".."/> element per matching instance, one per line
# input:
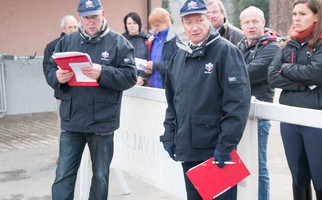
<point x="263" y="176"/>
<point x="71" y="148"/>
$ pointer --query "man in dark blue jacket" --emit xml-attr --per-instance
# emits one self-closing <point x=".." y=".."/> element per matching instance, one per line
<point x="208" y="95"/>
<point x="259" y="48"/>
<point x="90" y="115"/>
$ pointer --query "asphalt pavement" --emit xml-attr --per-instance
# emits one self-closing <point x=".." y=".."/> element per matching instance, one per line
<point x="28" y="154"/>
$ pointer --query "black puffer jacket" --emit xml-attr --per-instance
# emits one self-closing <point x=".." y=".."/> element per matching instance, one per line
<point x="140" y="47"/>
<point x="298" y="72"/>
<point x="139" y="44"/>
<point x="258" y="56"/>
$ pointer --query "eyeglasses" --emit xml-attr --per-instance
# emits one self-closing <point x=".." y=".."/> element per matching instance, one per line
<point x="93" y="17"/>
<point x="215" y="12"/>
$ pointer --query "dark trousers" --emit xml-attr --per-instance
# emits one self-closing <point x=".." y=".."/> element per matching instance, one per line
<point x="192" y="193"/>
<point x="303" y="150"/>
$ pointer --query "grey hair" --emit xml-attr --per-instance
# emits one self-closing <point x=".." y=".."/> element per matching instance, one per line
<point x="220" y="5"/>
<point x="66" y="17"/>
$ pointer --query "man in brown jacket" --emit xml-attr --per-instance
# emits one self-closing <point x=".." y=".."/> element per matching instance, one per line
<point x="218" y="17"/>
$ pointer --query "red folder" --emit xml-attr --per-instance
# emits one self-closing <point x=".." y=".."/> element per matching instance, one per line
<point x="212" y="181"/>
<point x="73" y="61"/>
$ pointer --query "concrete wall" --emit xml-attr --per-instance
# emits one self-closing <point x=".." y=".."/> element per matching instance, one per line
<point x="26" y="89"/>
<point x="28" y="25"/>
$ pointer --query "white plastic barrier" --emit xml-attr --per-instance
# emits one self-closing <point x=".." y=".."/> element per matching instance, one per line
<point x="139" y="152"/>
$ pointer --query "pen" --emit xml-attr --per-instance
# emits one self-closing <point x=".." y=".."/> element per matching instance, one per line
<point x="227" y="163"/>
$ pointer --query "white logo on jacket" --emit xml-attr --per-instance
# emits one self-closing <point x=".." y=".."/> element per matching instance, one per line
<point x="105" y="55"/>
<point x="208" y="68"/>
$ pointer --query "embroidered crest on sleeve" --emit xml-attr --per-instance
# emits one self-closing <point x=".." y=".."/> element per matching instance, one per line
<point x="232" y="79"/>
<point x="127" y="60"/>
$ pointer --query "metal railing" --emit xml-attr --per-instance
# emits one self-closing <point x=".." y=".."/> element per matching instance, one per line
<point x="2" y="88"/>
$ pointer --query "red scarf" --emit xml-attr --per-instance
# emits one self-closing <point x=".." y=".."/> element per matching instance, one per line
<point x="302" y="36"/>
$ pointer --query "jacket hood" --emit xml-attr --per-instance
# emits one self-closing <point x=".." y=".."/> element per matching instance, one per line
<point x="171" y="34"/>
<point x="183" y="41"/>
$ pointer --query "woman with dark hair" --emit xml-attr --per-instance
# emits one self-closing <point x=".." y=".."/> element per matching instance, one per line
<point x="297" y="70"/>
<point x="138" y="38"/>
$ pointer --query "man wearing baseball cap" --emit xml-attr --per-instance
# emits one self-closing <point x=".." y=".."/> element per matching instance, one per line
<point x="90" y="114"/>
<point x="208" y="95"/>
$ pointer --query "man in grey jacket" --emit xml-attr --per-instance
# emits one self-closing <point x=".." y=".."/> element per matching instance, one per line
<point x="90" y="114"/>
<point x="208" y="96"/>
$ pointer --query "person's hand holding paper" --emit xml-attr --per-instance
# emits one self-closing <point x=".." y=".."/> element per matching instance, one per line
<point x="140" y="64"/>
<point x="149" y="67"/>
<point x="77" y="69"/>
<point x="221" y="158"/>
<point x="92" y="72"/>
<point x="64" y="76"/>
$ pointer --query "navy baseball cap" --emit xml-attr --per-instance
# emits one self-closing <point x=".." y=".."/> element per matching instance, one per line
<point x="193" y="7"/>
<point x="89" y="7"/>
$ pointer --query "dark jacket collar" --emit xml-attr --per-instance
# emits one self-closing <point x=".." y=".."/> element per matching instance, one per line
<point x="142" y="34"/>
<point x="269" y="36"/>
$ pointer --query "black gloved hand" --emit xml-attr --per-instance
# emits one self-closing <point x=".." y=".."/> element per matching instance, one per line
<point x="170" y="148"/>
<point x="221" y="158"/>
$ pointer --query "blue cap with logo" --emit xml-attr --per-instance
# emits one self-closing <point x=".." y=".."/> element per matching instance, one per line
<point x="89" y="7"/>
<point x="193" y="7"/>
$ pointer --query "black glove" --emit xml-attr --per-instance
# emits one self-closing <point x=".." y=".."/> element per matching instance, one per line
<point x="170" y="148"/>
<point x="221" y="158"/>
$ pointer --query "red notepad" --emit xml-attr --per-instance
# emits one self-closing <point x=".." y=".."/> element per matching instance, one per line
<point x="212" y="181"/>
<point x="74" y="61"/>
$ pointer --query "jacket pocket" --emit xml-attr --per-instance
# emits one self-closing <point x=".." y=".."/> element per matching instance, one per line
<point x="65" y="107"/>
<point x="105" y="111"/>
<point x="204" y="130"/>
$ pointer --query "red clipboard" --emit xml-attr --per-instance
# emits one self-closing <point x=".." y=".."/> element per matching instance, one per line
<point x="73" y="61"/>
<point x="212" y="181"/>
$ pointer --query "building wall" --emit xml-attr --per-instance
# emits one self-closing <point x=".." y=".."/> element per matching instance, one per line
<point x="28" y="25"/>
